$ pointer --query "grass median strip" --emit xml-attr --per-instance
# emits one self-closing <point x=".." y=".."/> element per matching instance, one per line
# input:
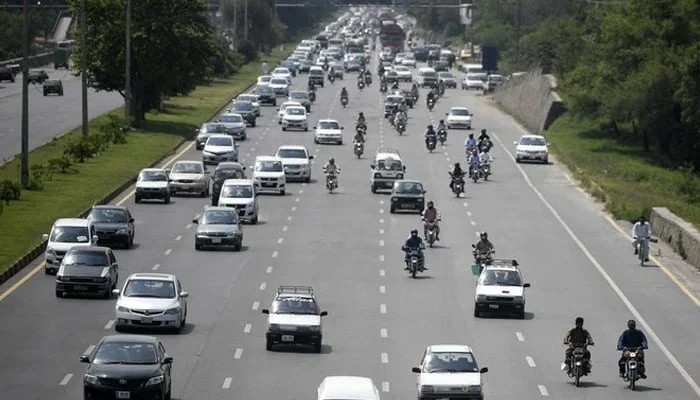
<point x="67" y="194"/>
<point x="631" y="179"/>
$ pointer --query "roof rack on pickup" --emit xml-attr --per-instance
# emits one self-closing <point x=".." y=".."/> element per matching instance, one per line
<point x="308" y="290"/>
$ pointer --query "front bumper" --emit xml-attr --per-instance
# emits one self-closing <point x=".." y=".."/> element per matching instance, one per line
<point x="295" y="124"/>
<point x="275" y="186"/>
<point x="329" y="139"/>
<point x="531" y="156"/>
<point x="158" y="320"/>
<point x="406" y="204"/>
<point x="82" y="287"/>
<point x="108" y="392"/>
<point x="499" y="307"/>
<point x="236" y="133"/>
<point x="245" y="213"/>
<point x="384" y="183"/>
<point x="281" y="91"/>
<point x="112" y="238"/>
<point x="217" y="158"/>
<point x="290" y="338"/>
<point x="459" y="124"/>
<point x="267" y="100"/>
<point x="147" y="193"/>
<point x="408" y="78"/>
<point x="297" y="173"/>
<point x="451" y="396"/>
<point x="218" y="241"/>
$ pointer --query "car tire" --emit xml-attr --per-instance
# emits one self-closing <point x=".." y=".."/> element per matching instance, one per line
<point x="307" y="180"/>
<point x="44" y="93"/>
<point x="108" y="293"/>
<point x="372" y="188"/>
<point x="197" y="247"/>
<point x="306" y="129"/>
<point x="59" y="294"/>
<point x="521" y="315"/>
<point x="169" y="393"/>
<point x="268" y="345"/>
<point x="60" y="93"/>
<point x="238" y="246"/>
<point x="130" y="243"/>
<point x="284" y="129"/>
<point x="137" y="199"/>
<point x="517" y="160"/>
<point x="167" y="200"/>
<point x="254" y="220"/>
<point x="318" y="347"/>
<point x="282" y="193"/>
<point x="315" y="141"/>
<point x="253" y="124"/>
<point x="546" y="160"/>
<point x="119" y="327"/>
<point x="392" y="210"/>
<point x="477" y="314"/>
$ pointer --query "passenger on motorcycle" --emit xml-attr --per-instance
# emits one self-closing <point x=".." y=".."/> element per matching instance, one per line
<point x="469" y="144"/>
<point x="380" y="70"/>
<point x="576" y="337"/>
<point x="631" y="339"/>
<point x="485" y="159"/>
<point x="361" y="119"/>
<point x="484" y="135"/>
<point x="483" y="247"/>
<point x="414" y="242"/>
<point x="442" y="127"/>
<point x="431" y="214"/>
<point x="640" y="231"/>
<point x="473" y="162"/>
<point x="400" y="117"/>
<point x="456" y="173"/>
<point x="331" y="168"/>
<point x="430" y="135"/>
<point x="358" y="138"/>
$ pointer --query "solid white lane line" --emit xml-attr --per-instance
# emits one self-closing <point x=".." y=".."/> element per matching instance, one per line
<point x="65" y="379"/>
<point x="381" y="257"/>
<point x="637" y="315"/>
<point x="227" y="383"/>
<point x="110" y="324"/>
<point x="178" y="238"/>
<point x="284" y="228"/>
<point x="385" y="358"/>
<point x="530" y="361"/>
<point x="280" y="240"/>
<point x="247" y="328"/>
<point x="382" y="308"/>
<point x="383" y="333"/>
<point x="263" y="286"/>
<point x="520" y="336"/>
<point x="382" y="272"/>
<point x="543" y="390"/>
<point x="269" y="269"/>
<point x="294" y="208"/>
<point x="473" y="223"/>
<point x="239" y="352"/>
<point x="155" y="267"/>
<point x="89" y="349"/>
<point x="188" y="226"/>
<point x="256" y="305"/>
<point x="382" y="289"/>
<point x="381" y="231"/>
<point x="381" y="243"/>
<point x="385" y="387"/>
<point x="275" y="254"/>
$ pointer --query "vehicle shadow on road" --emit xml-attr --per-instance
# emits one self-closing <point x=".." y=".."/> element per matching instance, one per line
<point x="186" y="330"/>
<point x="421" y="277"/>
<point x="588" y="384"/>
<point x="642" y="388"/>
<point x="280" y="348"/>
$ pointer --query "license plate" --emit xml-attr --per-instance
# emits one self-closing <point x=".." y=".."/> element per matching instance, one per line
<point x="216" y="240"/>
<point x="80" y="288"/>
<point x="268" y="184"/>
<point x="407" y="206"/>
<point x="123" y="395"/>
<point x="493" y="306"/>
<point x="287" y="338"/>
<point x="146" y="320"/>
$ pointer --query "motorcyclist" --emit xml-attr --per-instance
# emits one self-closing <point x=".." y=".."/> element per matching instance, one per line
<point x="361" y="119"/>
<point x="485" y="158"/>
<point x="631" y="339"/>
<point x="312" y="87"/>
<point x="380" y="70"/>
<point x="431" y="214"/>
<point x="470" y="143"/>
<point x="414" y="91"/>
<point x="344" y="93"/>
<point x="483" y="247"/>
<point x="400" y="117"/>
<point x="441" y="86"/>
<point x="576" y="337"/>
<point x="640" y="231"/>
<point x="430" y="97"/>
<point x="358" y="138"/>
<point x="382" y="86"/>
<point x="325" y="63"/>
<point x="331" y="168"/>
<point x="456" y="173"/>
<point x="430" y="135"/>
<point x="483" y="135"/>
<point x="414" y="242"/>
<point x="473" y="162"/>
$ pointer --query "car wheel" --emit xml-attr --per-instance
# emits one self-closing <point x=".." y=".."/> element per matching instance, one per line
<point x="197" y="247"/>
<point x="206" y="192"/>
<point x="254" y="220"/>
<point x="268" y="345"/>
<point x="477" y="314"/>
<point x="282" y="193"/>
<point x="137" y="199"/>
<point x="517" y="160"/>
<point x="167" y="200"/>
<point x="372" y="188"/>
<point x="253" y="124"/>
<point x="546" y="160"/>
<point x="59" y="294"/>
<point x="318" y="347"/>
<point x="392" y="210"/>
<point x="284" y="129"/>
<point x="44" y="93"/>
<point x="130" y="243"/>
<point x="308" y="179"/>
<point x="108" y="293"/>
<point x="521" y="315"/>
<point x="60" y="93"/>
<point x="238" y="246"/>
<point x="315" y="141"/>
<point x="306" y="129"/>
<point x="169" y="393"/>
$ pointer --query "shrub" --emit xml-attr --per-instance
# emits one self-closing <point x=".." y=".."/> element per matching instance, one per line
<point x="79" y="149"/>
<point x="248" y="50"/>
<point x="114" y="130"/>
<point x="61" y="164"/>
<point x="9" y="190"/>
<point x="39" y="174"/>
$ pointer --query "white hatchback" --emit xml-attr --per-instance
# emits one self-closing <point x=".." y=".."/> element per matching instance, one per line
<point x="459" y="118"/>
<point x="347" y="387"/>
<point x="532" y="147"/>
<point x="449" y="371"/>
<point x="283" y="108"/>
<point x="328" y="131"/>
<point x="282" y="73"/>
<point x="268" y="175"/>
<point x="403" y="73"/>
<point x="240" y="194"/>
<point x="296" y="161"/>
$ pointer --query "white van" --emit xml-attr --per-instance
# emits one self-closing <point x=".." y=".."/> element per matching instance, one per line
<point x="347" y="387"/>
<point x="473" y="69"/>
<point x="427" y="77"/>
<point x="387" y="168"/>
<point x="268" y="175"/>
<point x="241" y="195"/>
<point x="316" y="76"/>
<point x="65" y="234"/>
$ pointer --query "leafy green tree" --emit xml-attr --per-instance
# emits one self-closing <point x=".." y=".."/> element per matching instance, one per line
<point x="172" y="48"/>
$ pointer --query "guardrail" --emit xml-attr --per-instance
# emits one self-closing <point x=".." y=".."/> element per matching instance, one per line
<point x="38" y="60"/>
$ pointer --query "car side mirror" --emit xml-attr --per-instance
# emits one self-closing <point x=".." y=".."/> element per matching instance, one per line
<point x="45" y="236"/>
<point x="484" y="370"/>
<point x="168" y="360"/>
<point x="404" y="168"/>
<point x="314" y="126"/>
<point x="425" y="191"/>
<point x="372" y="166"/>
<point x="311" y="156"/>
<point x="116" y="292"/>
<point x="342" y="127"/>
<point x="131" y="220"/>
<point x="184" y="295"/>
<point x="265" y="311"/>
<point x="526" y="285"/>
<point x="85" y="359"/>
<point x="95" y="238"/>
<point x="324" y="313"/>
<point x="415" y="370"/>
<point x="115" y="265"/>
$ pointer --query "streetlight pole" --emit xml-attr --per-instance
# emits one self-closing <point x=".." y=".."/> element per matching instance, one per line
<point x="245" y="21"/>
<point x="127" y="88"/>
<point x="24" y="162"/>
<point x="83" y="66"/>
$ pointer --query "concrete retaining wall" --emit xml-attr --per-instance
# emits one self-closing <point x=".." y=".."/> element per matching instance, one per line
<point x="532" y="100"/>
<point x="677" y="233"/>
<point x="38" y="60"/>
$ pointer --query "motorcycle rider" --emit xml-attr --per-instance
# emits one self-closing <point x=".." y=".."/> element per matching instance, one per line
<point x="483" y="135"/>
<point x="442" y="126"/>
<point x="485" y="158"/>
<point x="640" y="231"/>
<point x="414" y="242"/>
<point x="358" y="138"/>
<point x="430" y="135"/>
<point x="344" y="93"/>
<point x="483" y="246"/>
<point x="470" y="143"/>
<point x="380" y="70"/>
<point x="473" y="162"/>
<point x="576" y="337"/>
<point x="312" y="87"/>
<point x="331" y="169"/>
<point x="631" y="339"/>
<point x="430" y="97"/>
<point x="361" y="119"/>
<point x="456" y="173"/>
<point x="431" y="214"/>
<point x="400" y="117"/>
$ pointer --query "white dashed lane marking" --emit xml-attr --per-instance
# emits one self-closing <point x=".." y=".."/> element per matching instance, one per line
<point x="227" y="383"/>
<point x="381" y="257"/>
<point x="110" y="324"/>
<point x="469" y="213"/>
<point x="530" y="361"/>
<point x="297" y="199"/>
<point x="167" y="252"/>
<point x="263" y="286"/>
<point x="381" y="211"/>
<point x="155" y="267"/>
<point x="382" y="272"/>
<point x="473" y="223"/>
<point x="520" y="336"/>
<point x="239" y="352"/>
<point x="247" y="328"/>
<point x="178" y="238"/>
<point x="280" y="240"/>
<point x="65" y="379"/>
<point x="275" y="254"/>
<point x="188" y="226"/>
<point x="385" y="358"/>
<point x="381" y="243"/>
<point x="381" y="231"/>
<point x="382" y="289"/>
<point x="284" y="228"/>
<point x="382" y="308"/>
<point x="543" y="390"/>
<point x="268" y="270"/>
<point x="381" y="220"/>
<point x="289" y="218"/>
<point x="256" y="305"/>
<point x="385" y="387"/>
<point x="383" y="333"/>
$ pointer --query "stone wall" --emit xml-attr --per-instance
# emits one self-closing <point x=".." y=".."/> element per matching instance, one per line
<point x="531" y="99"/>
<point x="677" y="233"/>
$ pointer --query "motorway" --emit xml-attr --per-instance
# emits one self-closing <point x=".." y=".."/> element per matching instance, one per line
<point x="347" y="246"/>
<point x="49" y="116"/>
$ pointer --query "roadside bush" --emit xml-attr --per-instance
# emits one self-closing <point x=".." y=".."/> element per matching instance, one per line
<point x="9" y="190"/>
<point x="79" y="149"/>
<point x="61" y="164"/>
<point x="114" y="130"/>
<point x="39" y="176"/>
<point x="248" y="50"/>
<point x="689" y="184"/>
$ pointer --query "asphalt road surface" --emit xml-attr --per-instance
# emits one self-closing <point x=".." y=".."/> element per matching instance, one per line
<point x="49" y="116"/>
<point x="347" y="246"/>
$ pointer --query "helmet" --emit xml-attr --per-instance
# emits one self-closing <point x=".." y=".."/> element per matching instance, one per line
<point x="430" y="127"/>
<point x="471" y="136"/>
<point x="430" y="204"/>
<point x="442" y="121"/>
<point x="483" y="131"/>
<point x="331" y="161"/>
<point x="414" y="232"/>
<point x="484" y="235"/>
<point x="579" y="321"/>
<point x="456" y="165"/>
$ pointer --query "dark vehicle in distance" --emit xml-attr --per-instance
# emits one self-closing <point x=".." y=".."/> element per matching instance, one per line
<point x="53" y="86"/>
<point x="87" y="270"/>
<point x="290" y="66"/>
<point x="266" y="95"/>
<point x="37" y="76"/>
<point x="6" y="74"/>
<point x="420" y="53"/>
<point x="133" y="367"/>
<point x="113" y="225"/>
<point x="407" y="196"/>
<point x="246" y="110"/>
<point x="407" y="96"/>
<point x="223" y="171"/>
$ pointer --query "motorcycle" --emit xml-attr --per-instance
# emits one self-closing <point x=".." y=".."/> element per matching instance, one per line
<point x="431" y="232"/>
<point x="441" y="90"/>
<point x="344" y="101"/>
<point x="485" y="169"/>
<point x="395" y="85"/>
<point x="332" y="181"/>
<point x="401" y="127"/>
<point x="360" y="85"/>
<point x="578" y="365"/>
<point x="382" y="87"/>
<point x="430" y="144"/>
<point x="632" y="366"/>
<point x="368" y="80"/>
<point x="475" y="173"/>
<point x="331" y="77"/>
<point x="481" y="259"/>
<point x="431" y="104"/>
<point x="416" y="262"/>
<point x="457" y="185"/>
<point x="442" y="136"/>
<point x="359" y="149"/>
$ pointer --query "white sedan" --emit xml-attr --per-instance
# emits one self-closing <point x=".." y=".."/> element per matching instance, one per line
<point x="403" y="73"/>
<point x="328" y="131"/>
<point x="409" y="60"/>
<point x="283" y="108"/>
<point x="449" y="371"/>
<point x="253" y="99"/>
<point x="459" y="118"/>
<point x="280" y="85"/>
<point x="281" y="72"/>
<point x="295" y="118"/>
<point x="474" y="81"/>
<point x="532" y="147"/>
<point x="264" y="79"/>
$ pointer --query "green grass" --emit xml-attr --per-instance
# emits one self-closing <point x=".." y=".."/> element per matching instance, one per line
<point x="628" y="180"/>
<point x="23" y="222"/>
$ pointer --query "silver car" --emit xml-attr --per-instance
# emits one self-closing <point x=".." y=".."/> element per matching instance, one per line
<point x="218" y="227"/>
<point x="208" y="129"/>
<point x="190" y="177"/>
<point x="253" y="99"/>
<point x="301" y="96"/>
<point x="234" y="124"/>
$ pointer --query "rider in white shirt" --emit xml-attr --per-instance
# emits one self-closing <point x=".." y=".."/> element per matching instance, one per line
<point x="640" y="231"/>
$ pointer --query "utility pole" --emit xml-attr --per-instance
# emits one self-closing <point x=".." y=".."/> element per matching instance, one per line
<point x="24" y="167"/>
<point x="245" y="21"/>
<point x="235" y="24"/>
<point x="83" y="67"/>
<point x="127" y="73"/>
<point x="518" y="11"/>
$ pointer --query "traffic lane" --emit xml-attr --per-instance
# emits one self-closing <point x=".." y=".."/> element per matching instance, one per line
<point x="49" y="116"/>
<point x="15" y="88"/>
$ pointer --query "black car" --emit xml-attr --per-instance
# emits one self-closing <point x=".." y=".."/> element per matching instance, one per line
<point x="420" y="53"/>
<point x="223" y="171"/>
<point x="87" y="270"/>
<point x="53" y="86"/>
<point x="6" y="74"/>
<point x="246" y="110"/>
<point x="290" y="66"/>
<point x="266" y="95"/>
<point x="37" y="76"/>
<point x="407" y="196"/>
<point x="134" y="367"/>
<point x="114" y="225"/>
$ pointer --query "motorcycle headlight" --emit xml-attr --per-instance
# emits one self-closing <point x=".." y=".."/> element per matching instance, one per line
<point x="91" y="379"/>
<point x="156" y="380"/>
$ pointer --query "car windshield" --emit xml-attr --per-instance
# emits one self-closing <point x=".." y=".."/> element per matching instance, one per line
<point x="403" y="69"/>
<point x="389" y="165"/>
<point x="220" y="141"/>
<point x="477" y="77"/>
<point x="70" y="234"/>
<point x="445" y="75"/>
<point x="189" y="168"/>
<point x="459" y="112"/>
<point x="231" y="119"/>
<point x="429" y="74"/>
<point x="228" y="174"/>
<point x="292" y="153"/>
<point x="295" y="111"/>
<point x="214" y="128"/>
<point x="247" y="97"/>
<point x="500" y="278"/>
<point x="449" y="362"/>
<point x="409" y="188"/>
<point x="394" y="100"/>
<point x="264" y="78"/>
<point x="280" y="71"/>
<point x="295" y="305"/>
<point x="109" y="215"/>
<point x="268" y="166"/>
<point x="281" y="81"/>
<point x="156" y="289"/>
<point x="237" y="191"/>
<point x="263" y="90"/>
<point x="220" y="217"/>
<point x="125" y="353"/>
<point x="532" y="141"/>
<point x="299" y="95"/>
<point x="328" y="125"/>
<point x="243" y="106"/>
<point x="87" y="258"/>
<point x="153" y="176"/>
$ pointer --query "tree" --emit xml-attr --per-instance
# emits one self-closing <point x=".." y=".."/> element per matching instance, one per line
<point x="172" y="46"/>
<point x="11" y="24"/>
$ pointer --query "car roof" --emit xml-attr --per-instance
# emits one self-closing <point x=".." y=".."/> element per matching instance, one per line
<point x="237" y="182"/>
<point x="299" y="92"/>
<point x="346" y="387"/>
<point x="265" y="77"/>
<point x="502" y="265"/>
<point x="459" y="108"/>
<point x="91" y="249"/>
<point x="229" y="114"/>
<point x="385" y="150"/>
<point x="267" y="158"/>
<point x="71" y="222"/>
<point x="153" y="276"/>
<point x="229" y="165"/>
<point x="291" y="103"/>
<point x="295" y="107"/>
<point x="217" y="208"/>
<point x="130" y="338"/>
<point x="449" y="348"/>
<point x="329" y="120"/>
<point x="292" y="147"/>
<point x="219" y="135"/>
<point x="109" y="207"/>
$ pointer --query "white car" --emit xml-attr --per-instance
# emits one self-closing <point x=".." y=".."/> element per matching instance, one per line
<point x="253" y="99"/>
<point x="500" y="289"/>
<point x="268" y="175"/>
<point x="152" y="183"/>
<point x="66" y="233"/>
<point x="409" y="60"/>
<point x="151" y="300"/>
<point x="448" y="79"/>
<point x="295" y="118"/>
<point x="328" y="131"/>
<point x="220" y="148"/>
<point x="280" y="86"/>
<point x="347" y="387"/>
<point x="449" y="371"/>
<point x="474" y="81"/>
<point x="234" y="124"/>
<point x="296" y="161"/>
<point x="281" y="72"/>
<point x="403" y="73"/>
<point x="240" y="194"/>
<point x="399" y="58"/>
<point x="294" y="319"/>
<point x="459" y="118"/>
<point x="532" y="147"/>
<point x="281" y="110"/>
<point x="264" y="79"/>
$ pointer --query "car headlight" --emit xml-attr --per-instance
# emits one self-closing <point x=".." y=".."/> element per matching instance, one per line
<point x="91" y="379"/>
<point x="156" y="380"/>
<point x="122" y="309"/>
<point x="377" y="175"/>
<point x="273" y="327"/>
<point x="173" y="311"/>
<point x="250" y="205"/>
<point x="518" y="299"/>
<point x="399" y="176"/>
<point x="315" y="329"/>
<point x="61" y="278"/>
<point x="50" y="253"/>
<point x="427" y="389"/>
<point x="481" y="297"/>
<point x="232" y="234"/>
<point x="121" y="231"/>
<point x="474" y="389"/>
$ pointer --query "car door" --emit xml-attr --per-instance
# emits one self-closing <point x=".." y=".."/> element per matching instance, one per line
<point x="167" y="368"/>
<point x="130" y="223"/>
<point x="113" y="268"/>
<point x="183" y="300"/>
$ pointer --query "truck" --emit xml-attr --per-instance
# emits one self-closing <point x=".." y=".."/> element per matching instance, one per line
<point x="391" y="34"/>
<point x="61" y="55"/>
